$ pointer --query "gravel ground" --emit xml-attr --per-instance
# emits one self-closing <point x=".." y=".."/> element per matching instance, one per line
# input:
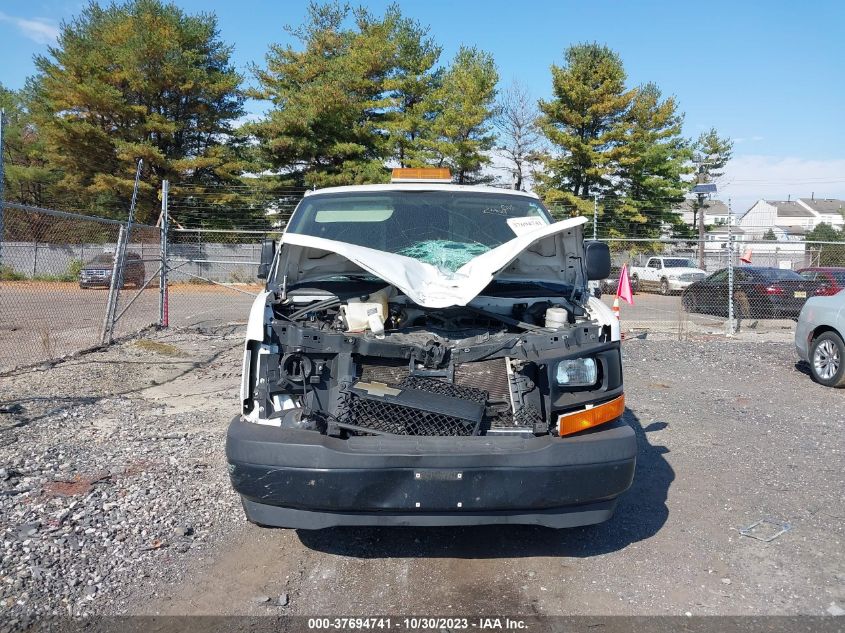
<point x="107" y="480"/>
<point x="114" y="499"/>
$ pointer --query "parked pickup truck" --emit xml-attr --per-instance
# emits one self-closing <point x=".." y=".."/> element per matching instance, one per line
<point x="427" y="353"/>
<point x="665" y="274"/>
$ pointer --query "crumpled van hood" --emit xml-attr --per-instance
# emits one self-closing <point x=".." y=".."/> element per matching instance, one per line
<point x="538" y="255"/>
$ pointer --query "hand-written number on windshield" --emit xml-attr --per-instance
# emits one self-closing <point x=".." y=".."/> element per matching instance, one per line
<point x="503" y="209"/>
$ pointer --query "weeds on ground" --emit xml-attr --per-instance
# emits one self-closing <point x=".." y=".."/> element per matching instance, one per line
<point x="48" y="343"/>
<point x="7" y="273"/>
<point x="157" y="347"/>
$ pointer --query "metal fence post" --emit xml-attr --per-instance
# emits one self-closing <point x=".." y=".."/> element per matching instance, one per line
<point x="120" y="260"/>
<point x="730" y="271"/>
<point x="116" y="280"/>
<point x="163" y="307"/>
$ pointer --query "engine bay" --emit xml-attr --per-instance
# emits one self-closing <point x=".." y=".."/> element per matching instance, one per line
<point x="348" y="355"/>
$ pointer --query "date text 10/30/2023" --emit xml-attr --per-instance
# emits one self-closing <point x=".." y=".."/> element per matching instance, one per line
<point x="417" y="623"/>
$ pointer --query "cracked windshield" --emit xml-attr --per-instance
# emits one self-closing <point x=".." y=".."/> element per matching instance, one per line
<point x="445" y="229"/>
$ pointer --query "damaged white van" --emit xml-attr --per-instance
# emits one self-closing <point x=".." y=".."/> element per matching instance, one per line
<point x="428" y="354"/>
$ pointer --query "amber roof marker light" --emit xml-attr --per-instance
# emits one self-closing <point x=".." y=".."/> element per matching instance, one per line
<point x="440" y="175"/>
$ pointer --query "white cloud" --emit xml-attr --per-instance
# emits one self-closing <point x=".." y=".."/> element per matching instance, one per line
<point x="750" y="177"/>
<point x="39" y="30"/>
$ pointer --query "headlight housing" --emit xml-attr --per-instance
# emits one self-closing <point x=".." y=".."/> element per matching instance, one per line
<point x="576" y="372"/>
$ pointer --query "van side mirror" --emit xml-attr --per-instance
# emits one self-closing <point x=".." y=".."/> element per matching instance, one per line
<point x="268" y="252"/>
<point x="598" y="260"/>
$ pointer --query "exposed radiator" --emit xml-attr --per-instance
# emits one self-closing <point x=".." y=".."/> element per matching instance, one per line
<point x="488" y="375"/>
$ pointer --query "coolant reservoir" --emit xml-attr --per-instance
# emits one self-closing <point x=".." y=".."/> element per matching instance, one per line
<point x="369" y="314"/>
<point x="556" y="318"/>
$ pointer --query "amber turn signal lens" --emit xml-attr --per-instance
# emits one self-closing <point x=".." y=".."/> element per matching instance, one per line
<point x="575" y="421"/>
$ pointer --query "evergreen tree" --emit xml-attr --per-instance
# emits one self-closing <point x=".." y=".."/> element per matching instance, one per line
<point x="362" y="91"/>
<point x="711" y="152"/>
<point x="413" y="78"/>
<point x="328" y="99"/>
<point x="27" y="174"/>
<point x="715" y="151"/>
<point x="135" y="80"/>
<point x="585" y="124"/>
<point x="653" y="159"/>
<point x="828" y="254"/>
<point x="464" y="106"/>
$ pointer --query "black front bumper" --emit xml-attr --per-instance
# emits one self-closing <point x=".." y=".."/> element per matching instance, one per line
<point x="301" y="479"/>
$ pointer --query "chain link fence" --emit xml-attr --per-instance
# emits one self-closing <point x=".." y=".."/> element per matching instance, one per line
<point x="72" y="282"/>
<point x="719" y="285"/>
<point x="56" y="272"/>
<point x="758" y="285"/>
<point x="59" y="290"/>
<point x="212" y="275"/>
<point x="214" y="237"/>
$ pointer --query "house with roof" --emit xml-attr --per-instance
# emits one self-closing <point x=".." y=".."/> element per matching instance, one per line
<point x="716" y="212"/>
<point x="716" y="238"/>
<point x="791" y="217"/>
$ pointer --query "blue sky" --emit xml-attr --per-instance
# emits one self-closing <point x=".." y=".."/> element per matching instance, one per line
<point x="769" y="74"/>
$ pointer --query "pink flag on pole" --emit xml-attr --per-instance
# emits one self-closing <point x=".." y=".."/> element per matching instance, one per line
<point x="623" y="288"/>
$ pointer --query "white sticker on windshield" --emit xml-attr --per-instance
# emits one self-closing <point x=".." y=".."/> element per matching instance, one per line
<point x="521" y="226"/>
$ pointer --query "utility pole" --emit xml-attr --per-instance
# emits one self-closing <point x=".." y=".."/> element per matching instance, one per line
<point x="702" y="188"/>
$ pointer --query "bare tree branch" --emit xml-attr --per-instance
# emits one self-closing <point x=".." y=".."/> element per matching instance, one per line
<point x="519" y="139"/>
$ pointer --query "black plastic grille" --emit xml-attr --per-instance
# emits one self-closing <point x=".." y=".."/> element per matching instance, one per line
<point x="386" y="417"/>
<point x="433" y="385"/>
<point x="487" y="378"/>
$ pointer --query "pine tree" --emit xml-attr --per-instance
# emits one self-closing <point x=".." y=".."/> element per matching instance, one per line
<point x="464" y="105"/>
<point x="27" y="174"/>
<point x="584" y="122"/>
<point x="410" y="82"/>
<point x="828" y="254"/>
<point x="135" y="80"/>
<point x="711" y="152"/>
<point x="715" y="150"/>
<point x="653" y="161"/>
<point x="328" y="98"/>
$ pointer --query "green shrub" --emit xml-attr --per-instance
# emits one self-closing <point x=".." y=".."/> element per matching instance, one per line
<point x="7" y="273"/>
<point x="73" y="269"/>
